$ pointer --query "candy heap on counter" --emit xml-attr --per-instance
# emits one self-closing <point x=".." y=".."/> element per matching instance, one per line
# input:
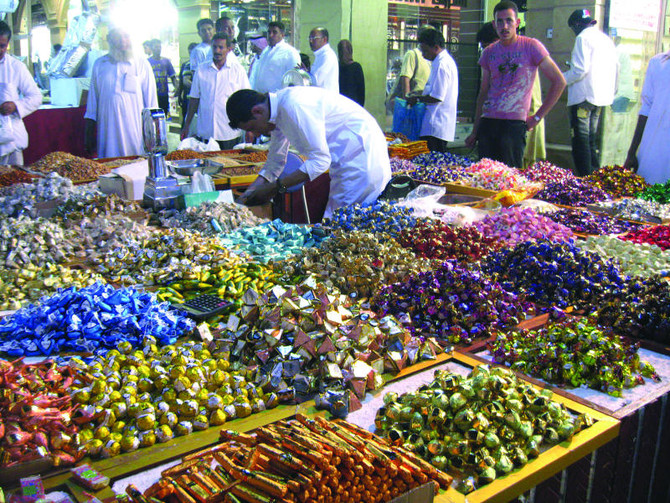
<point x="274" y="240"/>
<point x="559" y="274"/>
<point x="494" y="175"/>
<point x="634" y="259"/>
<point x="572" y="192"/>
<point x="380" y="217"/>
<point x="636" y="209"/>
<point x="210" y="218"/>
<point x="354" y="262"/>
<point x="402" y="166"/>
<point x="306" y="460"/>
<point x="134" y="398"/>
<point x="512" y="226"/>
<point x="452" y="303"/>
<point x="88" y="319"/>
<point x="658" y="235"/>
<point x="438" y="168"/>
<point x="483" y="426"/>
<point x="574" y="353"/>
<point x="315" y="338"/>
<point x="659" y="193"/>
<point x="617" y="181"/>
<point x="587" y="222"/>
<point x="546" y="172"/>
<point x="70" y="166"/>
<point x="435" y="240"/>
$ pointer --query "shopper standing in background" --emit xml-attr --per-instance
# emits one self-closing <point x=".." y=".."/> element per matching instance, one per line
<point x="256" y="45"/>
<point x="226" y="25"/>
<point x="213" y="83"/>
<point x="440" y="93"/>
<point x="591" y="82"/>
<point x="275" y="60"/>
<point x="185" y="82"/>
<point x="352" y="80"/>
<point x="163" y="70"/>
<point x="509" y="68"/>
<point x="122" y="85"/>
<point x="325" y="68"/>
<point x="14" y="79"/>
<point x="649" y="152"/>
<point x="203" y="51"/>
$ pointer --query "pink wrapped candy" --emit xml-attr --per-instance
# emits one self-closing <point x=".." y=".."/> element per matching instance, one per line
<point x="513" y="226"/>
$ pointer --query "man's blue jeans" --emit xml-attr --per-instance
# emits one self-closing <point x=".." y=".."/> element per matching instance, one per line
<point x="584" y="119"/>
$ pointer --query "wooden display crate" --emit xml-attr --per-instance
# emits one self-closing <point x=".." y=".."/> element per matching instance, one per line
<point x="633" y="466"/>
<point x="550" y="462"/>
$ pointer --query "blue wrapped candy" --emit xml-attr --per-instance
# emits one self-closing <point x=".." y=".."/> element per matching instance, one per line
<point x="89" y="319"/>
<point x="378" y="217"/>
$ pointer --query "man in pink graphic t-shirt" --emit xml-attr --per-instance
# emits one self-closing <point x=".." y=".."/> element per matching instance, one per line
<point x="509" y="69"/>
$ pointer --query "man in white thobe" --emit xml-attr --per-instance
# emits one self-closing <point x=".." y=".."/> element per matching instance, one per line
<point x="440" y="93"/>
<point x="331" y="131"/>
<point x="649" y="152"/>
<point x="19" y="97"/>
<point x="121" y="87"/>
<point x="275" y="60"/>
<point x="203" y="51"/>
<point x="325" y="69"/>
<point x="213" y="83"/>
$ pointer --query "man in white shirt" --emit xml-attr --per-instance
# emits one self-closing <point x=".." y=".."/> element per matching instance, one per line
<point x="275" y="60"/>
<point x="334" y="133"/>
<point x="226" y="25"/>
<point x="325" y="69"/>
<point x="591" y="82"/>
<point x="649" y="152"/>
<point x="440" y="93"/>
<point x="19" y="97"/>
<point x="213" y="83"/>
<point x="121" y="87"/>
<point x="203" y="51"/>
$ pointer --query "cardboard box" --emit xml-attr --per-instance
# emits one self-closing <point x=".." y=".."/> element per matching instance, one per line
<point x="421" y="494"/>
<point x="127" y="181"/>
<point x="262" y="211"/>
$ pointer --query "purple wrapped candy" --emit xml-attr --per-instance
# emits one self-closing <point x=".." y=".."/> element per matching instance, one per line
<point x="514" y="226"/>
<point x="453" y="303"/>
<point x="572" y="192"/>
<point x="399" y="165"/>
<point x="587" y="222"/>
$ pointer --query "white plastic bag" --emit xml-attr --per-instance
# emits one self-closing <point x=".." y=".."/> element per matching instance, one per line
<point x="423" y="200"/>
<point x="193" y="144"/>
<point x="201" y="183"/>
<point x="6" y="129"/>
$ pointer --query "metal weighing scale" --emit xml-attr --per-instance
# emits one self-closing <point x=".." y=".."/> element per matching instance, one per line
<point x="161" y="189"/>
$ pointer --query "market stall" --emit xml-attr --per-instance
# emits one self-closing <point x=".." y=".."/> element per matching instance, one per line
<point x="173" y="331"/>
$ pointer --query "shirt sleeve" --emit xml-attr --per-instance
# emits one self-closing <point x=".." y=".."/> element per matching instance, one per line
<point x="149" y="94"/>
<point x="170" y="69"/>
<point x="537" y="51"/>
<point x="647" y="95"/>
<point x="92" y="98"/>
<point x="409" y="62"/>
<point x="579" y="64"/>
<point x="441" y="83"/>
<point x="31" y="97"/>
<point x="195" y="85"/>
<point x="277" y="152"/>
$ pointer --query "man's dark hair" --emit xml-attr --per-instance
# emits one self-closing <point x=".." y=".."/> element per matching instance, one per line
<point x="277" y="24"/>
<point x="487" y="34"/>
<point x="239" y="106"/>
<point x="5" y="30"/>
<point x="221" y="35"/>
<point x="204" y="21"/>
<point x="431" y="37"/>
<point x="504" y="5"/>
<point x="191" y="46"/>
<point x="304" y="59"/>
<point x="219" y="23"/>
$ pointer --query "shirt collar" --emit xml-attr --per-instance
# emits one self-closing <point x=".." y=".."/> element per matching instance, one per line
<point x="322" y="50"/>
<point x="273" y="107"/>
<point x="225" y="65"/>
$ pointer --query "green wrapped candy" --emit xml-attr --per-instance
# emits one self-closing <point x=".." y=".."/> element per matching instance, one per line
<point x="566" y="429"/>
<point x="183" y="428"/>
<point x="200" y="423"/>
<point x="457" y="401"/>
<point x="416" y="422"/>
<point x="491" y="440"/>
<point x="463" y="420"/>
<point x="504" y="465"/>
<point x="551" y="436"/>
<point x="130" y="443"/>
<point x="466" y="485"/>
<point x="146" y="421"/>
<point x="525" y="429"/>
<point x="435" y="447"/>
<point x="487" y="476"/>
<point x="164" y="433"/>
<point x="439" y="462"/>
